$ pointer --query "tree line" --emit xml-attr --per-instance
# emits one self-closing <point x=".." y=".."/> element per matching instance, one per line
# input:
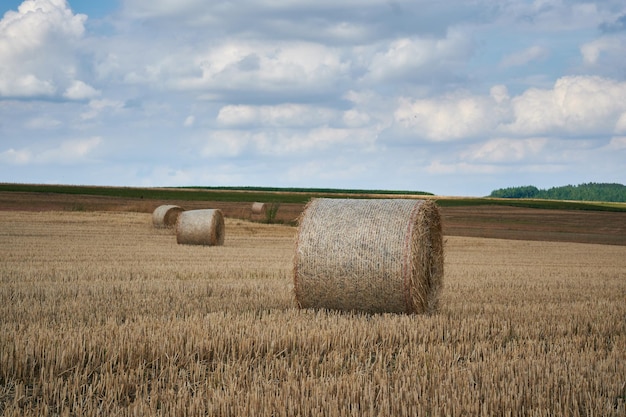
<point x="583" y="192"/>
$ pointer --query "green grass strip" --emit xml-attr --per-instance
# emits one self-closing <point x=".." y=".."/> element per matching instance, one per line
<point x="294" y="195"/>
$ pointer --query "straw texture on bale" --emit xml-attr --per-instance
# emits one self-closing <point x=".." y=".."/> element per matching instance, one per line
<point x="371" y="255"/>
<point x="166" y="216"/>
<point x="200" y="227"/>
<point x="258" y="208"/>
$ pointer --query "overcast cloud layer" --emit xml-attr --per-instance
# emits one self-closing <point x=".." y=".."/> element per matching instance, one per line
<point x="456" y="98"/>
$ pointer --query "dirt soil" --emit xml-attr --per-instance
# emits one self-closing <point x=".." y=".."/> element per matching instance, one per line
<point x="473" y="221"/>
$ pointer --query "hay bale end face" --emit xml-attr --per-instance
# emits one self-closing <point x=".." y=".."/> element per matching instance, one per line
<point x="166" y="216"/>
<point x="371" y="255"/>
<point x="200" y="227"/>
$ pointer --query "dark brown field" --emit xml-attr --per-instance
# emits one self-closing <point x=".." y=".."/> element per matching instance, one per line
<point x="471" y="221"/>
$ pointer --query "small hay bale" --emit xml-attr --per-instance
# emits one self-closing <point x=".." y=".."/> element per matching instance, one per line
<point x="165" y="216"/>
<point x="376" y="255"/>
<point x="200" y="227"/>
<point x="258" y="208"/>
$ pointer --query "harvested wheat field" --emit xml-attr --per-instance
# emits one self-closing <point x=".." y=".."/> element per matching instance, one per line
<point x="101" y="314"/>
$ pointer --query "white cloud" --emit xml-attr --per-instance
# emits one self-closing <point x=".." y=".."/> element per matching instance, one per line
<point x="72" y="150"/>
<point x="576" y="104"/>
<point x="16" y="156"/>
<point x="96" y="107"/>
<point x="67" y="152"/>
<point x="78" y="90"/>
<point x="43" y="122"/>
<point x="259" y="66"/>
<point x="452" y="117"/>
<point x="505" y="150"/>
<point x="15" y="85"/>
<point x="284" y="115"/>
<point x="528" y="55"/>
<point x="499" y="93"/>
<point x="189" y="121"/>
<point x="225" y="143"/>
<point x="238" y="115"/>
<point x="37" y="49"/>
<point x="613" y="46"/>
<point x="355" y="118"/>
<point x="410" y="57"/>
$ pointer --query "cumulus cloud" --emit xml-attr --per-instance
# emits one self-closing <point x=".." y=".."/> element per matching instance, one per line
<point x="29" y="85"/>
<point x="79" y="90"/>
<point x="452" y="117"/>
<point x="269" y="67"/>
<point x="414" y="56"/>
<point x="37" y="50"/>
<point x="575" y="105"/>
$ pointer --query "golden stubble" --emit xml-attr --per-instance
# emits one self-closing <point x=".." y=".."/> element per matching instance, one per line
<point x="102" y="314"/>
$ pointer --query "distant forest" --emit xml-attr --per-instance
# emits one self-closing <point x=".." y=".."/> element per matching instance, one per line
<point x="583" y="192"/>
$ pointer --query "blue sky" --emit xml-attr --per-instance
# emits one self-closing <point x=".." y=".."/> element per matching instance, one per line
<point x="454" y="98"/>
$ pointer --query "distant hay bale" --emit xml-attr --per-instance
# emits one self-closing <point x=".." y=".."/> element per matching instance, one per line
<point x="377" y="255"/>
<point x="165" y="216"/>
<point x="258" y="208"/>
<point x="200" y="227"/>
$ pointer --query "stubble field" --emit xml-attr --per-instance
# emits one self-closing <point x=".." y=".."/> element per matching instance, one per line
<point x="101" y="314"/>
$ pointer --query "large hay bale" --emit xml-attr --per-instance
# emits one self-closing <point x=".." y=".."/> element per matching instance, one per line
<point x="378" y="255"/>
<point x="200" y="227"/>
<point x="166" y="216"/>
<point x="258" y="208"/>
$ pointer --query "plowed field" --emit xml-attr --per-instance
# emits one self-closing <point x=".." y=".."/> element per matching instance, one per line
<point x="471" y="221"/>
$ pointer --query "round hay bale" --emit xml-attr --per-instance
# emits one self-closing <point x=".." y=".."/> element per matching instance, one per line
<point x="258" y="208"/>
<point x="200" y="227"/>
<point x="376" y="255"/>
<point x="165" y="216"/>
